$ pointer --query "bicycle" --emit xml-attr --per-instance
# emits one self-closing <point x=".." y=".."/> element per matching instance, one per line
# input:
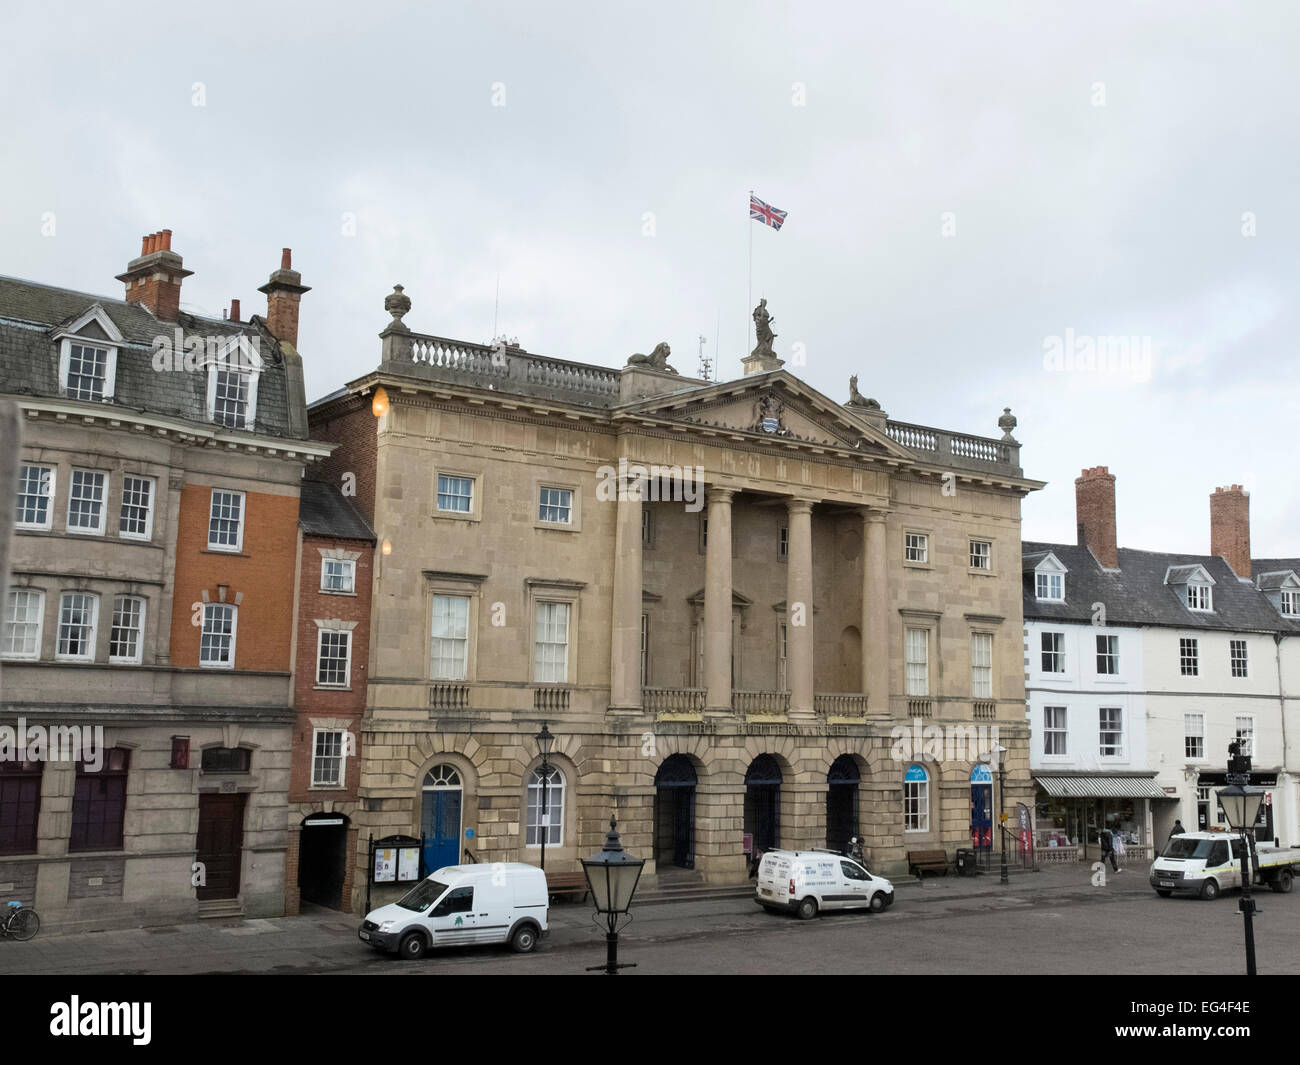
<point x="21" y="923"/>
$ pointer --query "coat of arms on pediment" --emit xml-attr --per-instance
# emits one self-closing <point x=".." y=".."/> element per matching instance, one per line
<point x="768" y="412"/>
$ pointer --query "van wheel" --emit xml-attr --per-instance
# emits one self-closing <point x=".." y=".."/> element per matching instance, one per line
<point x="1283" y="881"/>
<point x="1164" y="893"/>
<point x="877" y="902"/>
<point x="524" y="940"/>
<point x="1211" y="890"/>
<point x="412" y="946"/>
<point x="807" y="909"/>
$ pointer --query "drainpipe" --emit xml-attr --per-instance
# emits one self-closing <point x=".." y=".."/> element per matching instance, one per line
<point x="1281" y="702"/>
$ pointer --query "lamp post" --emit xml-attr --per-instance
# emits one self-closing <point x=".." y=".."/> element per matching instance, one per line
<point x="544" y="741"/>
<point x="1241" y="808"/>
<point x="987" y="758"/>
<point x="612" y="877"/>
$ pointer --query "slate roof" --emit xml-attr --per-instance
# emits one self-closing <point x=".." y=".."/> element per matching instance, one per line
<point x="1260" y="566"/>
<point x="1136" y="593"/>
<point x="325" y="511"/>
<point x="29" y="356"/>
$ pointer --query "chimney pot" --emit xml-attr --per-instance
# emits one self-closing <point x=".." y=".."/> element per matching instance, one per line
<point x="166" y="235"/>
<point x="156" y="286"/>
<point x="234" y="310"/>
<point x="286" y="259"/>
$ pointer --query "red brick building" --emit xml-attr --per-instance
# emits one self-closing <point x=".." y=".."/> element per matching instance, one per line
<point x="335" y="554"/>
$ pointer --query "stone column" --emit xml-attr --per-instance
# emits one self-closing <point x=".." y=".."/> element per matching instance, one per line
<point x="875" y="613"/>
<point x="717" y="603"/>
<point x="625" y="647"/>
<point x="799" y="608"/>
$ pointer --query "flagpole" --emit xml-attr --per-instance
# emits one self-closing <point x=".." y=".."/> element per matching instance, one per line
<point x="750" y="222"/>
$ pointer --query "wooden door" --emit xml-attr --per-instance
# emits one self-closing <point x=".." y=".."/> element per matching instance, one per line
<point x="220" y="844"/>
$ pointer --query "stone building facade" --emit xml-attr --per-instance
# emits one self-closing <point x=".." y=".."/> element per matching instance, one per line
<point x="734" y="604"/>
<point x="146" y="618"/>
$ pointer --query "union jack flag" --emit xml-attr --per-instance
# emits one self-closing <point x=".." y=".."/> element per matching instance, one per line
<point x="765" y="213"/>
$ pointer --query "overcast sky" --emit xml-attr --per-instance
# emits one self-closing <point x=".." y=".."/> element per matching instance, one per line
<point x="964" y="181"/>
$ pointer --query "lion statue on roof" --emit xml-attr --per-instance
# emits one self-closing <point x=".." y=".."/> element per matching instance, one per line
<point x="656" y="360"/>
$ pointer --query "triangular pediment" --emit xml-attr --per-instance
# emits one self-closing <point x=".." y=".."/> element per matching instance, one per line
<point x="776" y="406"/>
<point x="93" y="323"/>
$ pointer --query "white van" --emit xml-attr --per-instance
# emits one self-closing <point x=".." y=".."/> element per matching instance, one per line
<point x="505" y="902"/>
<point x="1207" y="864"/>
<point x="806" y="882"/>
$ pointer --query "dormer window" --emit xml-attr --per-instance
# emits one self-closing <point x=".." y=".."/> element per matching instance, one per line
<point x="1051" y="586"/>
<point x="88" y="356"/>
<point x="1049" y="576"/>
<point x="1291" y="604"/>
<point x="1194" y="585"/>
<point x="232" y="397"/>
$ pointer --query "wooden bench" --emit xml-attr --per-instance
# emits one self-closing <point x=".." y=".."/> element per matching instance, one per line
<point x="922" y="861"/>
<point x="567" y="884"/>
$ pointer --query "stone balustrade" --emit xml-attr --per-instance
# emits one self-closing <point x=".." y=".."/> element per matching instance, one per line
<point x="673" y="700"/>
<point x="760" y="702"/>
<point x="840" y="704"/>
<point x="957" y="449"/>
<point x="550" y="697"/>
<point x="448" y="696"/>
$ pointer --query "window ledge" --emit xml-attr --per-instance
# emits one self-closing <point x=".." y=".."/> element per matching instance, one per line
<point x="227" y="554"/>
<point x="332" y="687"/>
<point x="331" y="591"/>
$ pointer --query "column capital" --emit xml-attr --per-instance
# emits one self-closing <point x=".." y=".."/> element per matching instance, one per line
<point x="800" y="505"/>
<point x="720" y="495"/>
<point x="872" y="515"/>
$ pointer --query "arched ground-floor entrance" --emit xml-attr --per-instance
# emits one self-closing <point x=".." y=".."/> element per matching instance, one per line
<point x="675" y="813"/>
<point x="842" y="803"/>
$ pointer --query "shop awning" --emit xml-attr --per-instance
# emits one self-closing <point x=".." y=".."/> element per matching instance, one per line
<point x="1101" y="787"/>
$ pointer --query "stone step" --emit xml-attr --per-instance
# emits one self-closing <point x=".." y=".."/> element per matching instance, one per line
<point x="212" y="909"/>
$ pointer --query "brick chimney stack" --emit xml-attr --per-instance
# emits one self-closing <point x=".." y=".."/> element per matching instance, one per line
<point x="1230" y="528"/>
<point x="283" y="292"/>
<point x="154" y="279"/>
<point x="234" y="310"/>
<point x="1094" y="509"/>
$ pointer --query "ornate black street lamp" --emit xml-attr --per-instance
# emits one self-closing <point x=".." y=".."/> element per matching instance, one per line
<point x="612" y="877"/>
<point x="544" y="741"/>
<point x="1241" y="807"/>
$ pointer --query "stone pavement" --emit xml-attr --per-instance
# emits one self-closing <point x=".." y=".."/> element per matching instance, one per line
<point x="326" y="941"/>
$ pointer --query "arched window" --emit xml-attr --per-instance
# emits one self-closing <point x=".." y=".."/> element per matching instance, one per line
<point x="442" y="776"/>
<point x="553" y="797"/>
<point x="916" y="799"/>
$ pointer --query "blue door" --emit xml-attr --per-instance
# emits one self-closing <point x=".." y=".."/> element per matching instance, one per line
<point x="440" y="818"/>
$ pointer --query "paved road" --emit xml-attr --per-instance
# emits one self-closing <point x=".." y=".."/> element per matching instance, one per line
<point x="1050" y="922"/>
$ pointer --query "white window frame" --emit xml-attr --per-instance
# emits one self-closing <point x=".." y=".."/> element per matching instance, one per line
<point x="349" y="570"/>
<point x="438" y="493"/>
<point x="1194" y="729"/>
<point x="981" y="562"/>
<point x="48" y="493"/>
<point x="81" y="530"/>
<point x="152" y="482"/>
<point x="917" y="793"/>
<point x="92" y="639"/>
<point x="782" y="655"/>
<point x="238" y="546"/>
<point x="110" y="366"/>
<point x="1199" y="597"/>
<point x="5" y="622"/>
<point x="916" y="669"/>
<point x="981" y="665"/>
<point x="1117" y="750"/>
<point x="250" y="416"/>
<point x="1245" y="724"/>
<point x="916" y="548"/>
<point x="234" y="632"/>
<point x="783" y="542"/>
<point x="321" y="634"/>
<point x="538" y="603"/>
<point x="138" y="657"/>
<point x="450" y="639"/>
<point x="1049" y="587"/>
<point x="567" y="507"/>
<point x="1189" y="656"/>
<point x="645" y="650"/>
<point x="1056" y="728"/>
<point x="1289" y="603"/>
<point x="554" y="826"/>
<point x="1234" y="660"/>
<point x="1057" y="652"/>
<point x="1111" y="640"/>
<point x="316" y="756"/>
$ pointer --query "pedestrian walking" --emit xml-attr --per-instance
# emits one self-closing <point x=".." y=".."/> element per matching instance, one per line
<point x="1107" y="847"/>
<point x="1118" y="838"/>
<point x="1177" y="830"/>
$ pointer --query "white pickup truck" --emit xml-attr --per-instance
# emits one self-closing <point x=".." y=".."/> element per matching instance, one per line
<point x="1209" y="863"/>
